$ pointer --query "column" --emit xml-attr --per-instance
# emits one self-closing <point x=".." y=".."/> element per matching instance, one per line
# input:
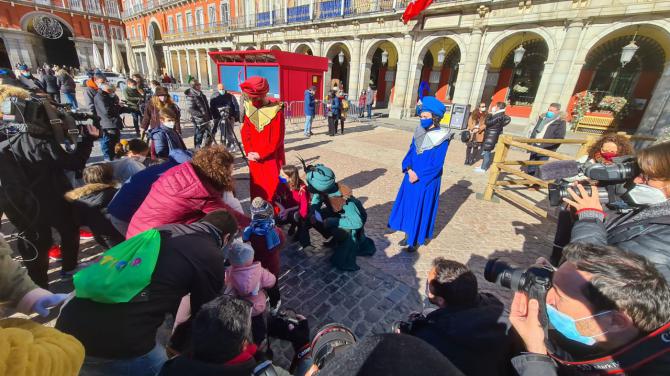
<point x="188" y="63"/>
<point x="168" y="63"/>
<point x="318" y="47"/>
<point x="558" y="78"/>
<point x="181" y="71"/>
<point x="141" y="60"/>
<point x="209" y="70"/>
<point x="402" y="78"/>
<point x="355" y="68"/>
<point x="656" y="119"/>
<point x="466" y="75"/>
<point x="197" y="64"/>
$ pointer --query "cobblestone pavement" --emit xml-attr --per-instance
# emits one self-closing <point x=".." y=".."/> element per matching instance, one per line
<point x="389" y="284"/>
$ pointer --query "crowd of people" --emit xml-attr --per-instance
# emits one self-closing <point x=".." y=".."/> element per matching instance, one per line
<point x="177" y="241"/>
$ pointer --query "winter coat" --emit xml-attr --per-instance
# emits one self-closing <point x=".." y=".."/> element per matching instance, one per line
<point x="16" y="288"/>
<point x="530" y="364"/>
<point x="369" y="97"/>
<point x="269" y="258"/>
<point x="133" y="98"/>
<point x="31" y="82"/>
<point x="494" y="127"/>
<point x="107" y="107"/>
<point x="335" y="107"/>
<point x="555" y="130"/>
<point x="67" y="84"/>
<point x="152" y="119"/>
<point x="219" y="100"/>
<point x="248" y="282"/>
<point x="179" y="196"/>
<point x="50" y="83"/>
<point x="126" y="167"/>
<point x="90" y="204"/>
<point x="164" y="140"/>
<point x="645" y="232"/>
<point x="198" y="106"/>
<point x="310" y="103"/>
<point x="478" y="135"/>
<point x="90" y="92"/>
<point x="466" y="335"/>
<point x="186" y="365"/>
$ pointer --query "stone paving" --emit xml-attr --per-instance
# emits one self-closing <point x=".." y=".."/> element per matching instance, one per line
<point x="389" y="284"/>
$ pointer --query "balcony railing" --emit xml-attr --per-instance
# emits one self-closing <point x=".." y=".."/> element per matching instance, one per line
<point x="298" y="14"/>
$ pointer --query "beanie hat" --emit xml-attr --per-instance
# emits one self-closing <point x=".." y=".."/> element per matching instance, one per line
<point x="261" y="209"/>
<point x="240" y="254"/>
<point x="433" y="105"/>
<point x="389" y="354"/>
<point x="321" y="178"/>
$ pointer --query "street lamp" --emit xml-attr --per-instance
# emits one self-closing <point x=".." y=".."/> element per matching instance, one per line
<point x="627" y="52"/>
<point x="441" y="54"/>
<point x="340" y="57"/>
<point x="385" y="57"/>
<point x="518" y="54"/>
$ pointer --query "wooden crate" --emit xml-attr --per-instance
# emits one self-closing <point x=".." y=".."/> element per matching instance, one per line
<point x="596" y="123"/>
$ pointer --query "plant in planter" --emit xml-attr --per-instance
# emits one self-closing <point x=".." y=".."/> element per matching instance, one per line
<point x="582" y="106"/>
<point x="613" y="104"/>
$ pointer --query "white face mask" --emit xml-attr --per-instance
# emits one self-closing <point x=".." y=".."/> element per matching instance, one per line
<point x="643" y="194"/>
<point x="168" y="124"/>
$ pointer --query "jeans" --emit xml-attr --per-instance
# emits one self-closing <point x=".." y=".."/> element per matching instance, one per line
<point x="308" y="124"/>
<point x="472" y="152"/>
<point x="197" y="136"/>
<point x="487" y="159"/>
<point x="369" y="108"/>
<point x="148" y="364"/>
<point x="109" y="139"/>
<point x="137" y="118"/>
<point x="71" y="98"/>
<point x="332" y="125"/>
<point x="532" y="170"/>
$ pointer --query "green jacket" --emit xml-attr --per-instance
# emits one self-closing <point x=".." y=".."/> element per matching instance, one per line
<point x="133" y="98"/>
<point x="16" y="288"/>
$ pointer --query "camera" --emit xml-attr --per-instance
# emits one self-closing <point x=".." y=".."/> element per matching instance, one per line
<point x="415" y="322"/>
<point x="329" y="340"/>
<point x="611" y="179"/>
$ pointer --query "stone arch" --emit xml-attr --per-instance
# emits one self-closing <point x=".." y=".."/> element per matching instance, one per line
<point x="661" y="28"/>
<point x="29" y="16"/>
<point x="158" y="24"/>
<point x="60" y="50"/>
<point x="337" y="71"/>
<point x="514" y="32"/>
<point x="275" y="47"/>
<point x="381" y="76"/>
<point x="424" y="45"/>
<point x="304" y="48"/>
<point x="441" y="82"/>
<point x="151" y="28"/>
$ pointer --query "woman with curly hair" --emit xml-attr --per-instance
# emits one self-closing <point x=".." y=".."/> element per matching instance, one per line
<point x="187" y="192"/>
<point x="609" y="146"/>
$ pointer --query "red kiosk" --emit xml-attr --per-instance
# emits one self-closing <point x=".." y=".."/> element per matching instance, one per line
<point x="288" y="74"/>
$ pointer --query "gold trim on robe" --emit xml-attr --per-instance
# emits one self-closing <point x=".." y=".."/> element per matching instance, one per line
<point x="260" y="117"/>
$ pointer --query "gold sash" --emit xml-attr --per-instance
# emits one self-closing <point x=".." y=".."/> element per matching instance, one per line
<point x="260" y="117"/>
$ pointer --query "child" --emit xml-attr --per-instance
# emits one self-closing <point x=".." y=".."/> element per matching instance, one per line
<point x="133" y="158"/>
<point x="293" y="200"/>
<point x="248" y="280"/>
<point x="163" y="138"/>
<point x="266" y="240"/>
<point x="90" y="203"/>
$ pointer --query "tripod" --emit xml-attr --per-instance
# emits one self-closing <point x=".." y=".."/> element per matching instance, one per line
<point x="226" y="127"/>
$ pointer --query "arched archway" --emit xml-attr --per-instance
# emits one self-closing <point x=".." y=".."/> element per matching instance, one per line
<point x="439" y="70"/>
<point x="338" y="67"/>
<point x="303" y="49"/>
<point x="604" y="74"/>
<point x="251" y="48"/>
<point x="275" y="48"/>
<point x="4" y="55"/>
<point x="56" y="36"/>
<point x="382" y="59"/>
<point x="513" y="80"/>
<point x="155" y="35"/>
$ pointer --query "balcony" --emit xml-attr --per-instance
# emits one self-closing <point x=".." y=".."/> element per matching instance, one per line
<point x="334" y="8"/>
<point x="265" y="19"/>
<point x="298" y="14"/>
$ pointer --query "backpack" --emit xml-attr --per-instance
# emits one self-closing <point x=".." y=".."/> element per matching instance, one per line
<point x="345" y="104"/>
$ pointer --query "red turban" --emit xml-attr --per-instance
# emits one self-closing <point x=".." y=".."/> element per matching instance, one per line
<point x="255" y="87"/>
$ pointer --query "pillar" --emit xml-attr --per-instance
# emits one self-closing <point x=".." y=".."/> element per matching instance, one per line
<point x="466" y="76"/>
<point x="656" y="118"/>
<point x="355" y="68"/>
<point x="402" y="78"/>
<point x="209" y="69"/>
<point x="558" y="79"/>
<point x="188" y="62"/>
<point x="318" y="47"/>
<point x="181" y="72"/>
<point x="197" y="64"/>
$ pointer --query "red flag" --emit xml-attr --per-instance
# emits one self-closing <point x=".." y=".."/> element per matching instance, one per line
<point x="414" y="8"/>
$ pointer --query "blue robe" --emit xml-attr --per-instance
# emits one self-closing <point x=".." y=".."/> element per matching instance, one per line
<point x="415" y="207"/>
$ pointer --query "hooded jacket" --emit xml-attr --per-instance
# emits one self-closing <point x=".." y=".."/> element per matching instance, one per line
<point x="494" y="127"/>
<point x="179" y="196"/>
<point x="310" y="103"/>
<point x="198" y="106"/>
<point x="50" y="83"/>
<point x="89" y="95"/>
<point x="248" y="282"/>
<point x="66" y="84"/>
<point x="108" y="109"/>
<point x="90" y="203"/>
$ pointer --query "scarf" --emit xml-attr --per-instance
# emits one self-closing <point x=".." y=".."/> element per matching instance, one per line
<point x="246" y="354"/>
<point x="263" y="227"/>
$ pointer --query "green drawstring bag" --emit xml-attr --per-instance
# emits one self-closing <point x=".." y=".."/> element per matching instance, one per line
<point x="122" y="272"/>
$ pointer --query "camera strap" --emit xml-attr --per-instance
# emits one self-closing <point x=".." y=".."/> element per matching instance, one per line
<point x="629" y="358"/>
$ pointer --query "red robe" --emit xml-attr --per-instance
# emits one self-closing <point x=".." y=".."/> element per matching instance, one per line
<point x="264" y="134"/>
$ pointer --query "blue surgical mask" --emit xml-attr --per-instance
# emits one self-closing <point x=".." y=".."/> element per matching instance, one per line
<point x="426" y="123"/>
<point x="550" y="114"/>
<point x="25" y="74"/>
<point x="567" y="326"/>
<point x="282" y="179"/>
<point x="222" y="92"/>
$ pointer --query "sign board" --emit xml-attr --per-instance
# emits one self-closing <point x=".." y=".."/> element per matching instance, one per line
<point x="446" y="119"/>
<point x="459" y="116"/>
<point x="175" y="98"/>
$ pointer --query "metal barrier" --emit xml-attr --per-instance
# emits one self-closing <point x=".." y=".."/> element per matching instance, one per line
<point x="294" y="112"/>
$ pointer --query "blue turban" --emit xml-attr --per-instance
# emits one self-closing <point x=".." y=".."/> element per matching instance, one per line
<point x="322" y="179"/>
<point x="432" y="105"/>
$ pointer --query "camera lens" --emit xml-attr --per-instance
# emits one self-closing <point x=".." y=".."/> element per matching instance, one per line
<point x="330" y="339"/>
<point x="498" y="272"/>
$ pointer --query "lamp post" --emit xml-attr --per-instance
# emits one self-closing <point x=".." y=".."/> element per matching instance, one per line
<point x="340" y="57"/>
<point x="627" y="52"/>
<point x="518" y="54"/>
<point x="441" y="55"/>
<point x="385" y="57"/>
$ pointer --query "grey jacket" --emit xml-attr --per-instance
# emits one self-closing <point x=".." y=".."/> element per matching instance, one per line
<point x="645" y="232"/>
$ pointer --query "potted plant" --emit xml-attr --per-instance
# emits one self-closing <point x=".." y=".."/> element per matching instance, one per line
<point x="612" y="104"/>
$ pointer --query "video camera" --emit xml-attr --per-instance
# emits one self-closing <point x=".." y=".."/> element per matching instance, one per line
<point x="611" y="178"/>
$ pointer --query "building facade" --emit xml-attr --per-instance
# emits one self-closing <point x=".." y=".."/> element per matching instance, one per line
<point x="61" y="32"/>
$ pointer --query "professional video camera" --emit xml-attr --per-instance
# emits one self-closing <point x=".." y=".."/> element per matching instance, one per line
<point x="611" y="178"/>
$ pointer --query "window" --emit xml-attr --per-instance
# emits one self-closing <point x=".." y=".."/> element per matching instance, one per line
<point x="211" y="14"/>
<point x="134" y="33"/>
<point x="170" y="21"/>
<point x="224" y="14"/>
<point x="189" y="21"/>
<point x="180" y="23"/>
<point x="199" y="18"/>
<point x="112" y="8"/>
<point x="93" y="6"/>
<point x="98" y="31"/>
<point x="139" y="32"/>
<point x="116" y="32"/>
<point x="76" y="4"/>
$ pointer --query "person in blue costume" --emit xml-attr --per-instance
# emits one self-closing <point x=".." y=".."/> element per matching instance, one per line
<point x="415" y="207"/>
<point x="338" y="215"/>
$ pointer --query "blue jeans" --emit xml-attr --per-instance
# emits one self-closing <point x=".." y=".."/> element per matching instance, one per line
<point x="148" y="364"/>
<point x="137" y="118"/>
<point x="308" y="124"/>
<point x="71" y="98"/>
<point x="108" y="140"/>
<point x="487" y="159"/>
<point x="369" y="108"/>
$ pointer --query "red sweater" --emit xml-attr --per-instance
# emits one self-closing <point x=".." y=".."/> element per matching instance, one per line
<point x="292" y="198"/>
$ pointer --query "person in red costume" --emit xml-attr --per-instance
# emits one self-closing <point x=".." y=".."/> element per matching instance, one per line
<point x="262" y="137"/>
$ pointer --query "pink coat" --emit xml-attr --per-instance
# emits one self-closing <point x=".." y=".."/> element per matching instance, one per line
<point x="248" y="283"/>
<point x="178" y="196"/>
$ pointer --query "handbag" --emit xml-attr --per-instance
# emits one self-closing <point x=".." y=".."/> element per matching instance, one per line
<point x="465" y="136"/>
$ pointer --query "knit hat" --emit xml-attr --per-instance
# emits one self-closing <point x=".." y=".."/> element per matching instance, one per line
<point x="261" y="209"/>
<point x="240" y="254"/>
<point x="433" y="105"/>
<point x="321" y="178"/>
<point x="389" y="354"/>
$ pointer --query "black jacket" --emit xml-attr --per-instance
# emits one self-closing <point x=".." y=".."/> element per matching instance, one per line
<point x="67" y="84"/>
<point x="107" y="107"/>
<point x="50" y="83"/>
<point x="475" y="339"/>
<point x="190" y="261"/>
<point x="31" y="82"/>
<point x="90" y="205"/>
<point x="183" y="365"/>
<point x="89" y="97"/>
<point x="222" y="100"/>
<point x="556" y="130"/>
<point x="494" y="127"/>
<point x="198" y="106"/>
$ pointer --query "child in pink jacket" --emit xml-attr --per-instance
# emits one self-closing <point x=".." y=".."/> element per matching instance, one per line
<point x="248" y="280"/>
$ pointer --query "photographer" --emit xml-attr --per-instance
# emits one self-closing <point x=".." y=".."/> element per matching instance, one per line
<point x="108" y="108"/>
<point x="222" y="99"/>
<point x="645" y="230"/>
<point x="198" y="107"/>
<point x="467" y="325"/>
<point x="603" y="302"/>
